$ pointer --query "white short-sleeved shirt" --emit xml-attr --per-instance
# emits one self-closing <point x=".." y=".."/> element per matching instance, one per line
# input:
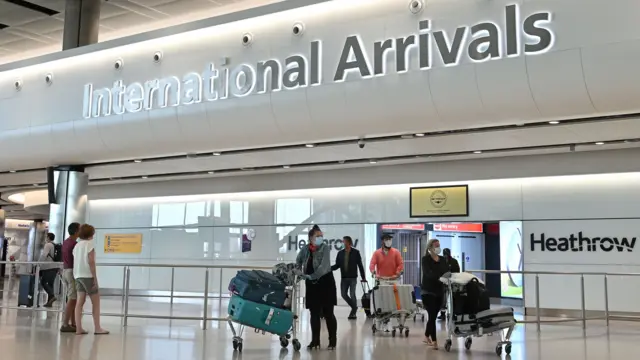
<point x="81" y="252"/>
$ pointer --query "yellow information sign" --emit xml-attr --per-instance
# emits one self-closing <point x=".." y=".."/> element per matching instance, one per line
<point x="439" y="201"/>
<point x="123" y="243"/>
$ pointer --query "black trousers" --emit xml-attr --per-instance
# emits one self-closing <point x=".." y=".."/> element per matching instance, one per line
<point x="432" y="303"/>
<point x="47" y="278"/>
<point x="329" y="317"/>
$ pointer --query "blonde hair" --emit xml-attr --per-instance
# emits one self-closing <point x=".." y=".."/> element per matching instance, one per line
<point x="430" y="244"/>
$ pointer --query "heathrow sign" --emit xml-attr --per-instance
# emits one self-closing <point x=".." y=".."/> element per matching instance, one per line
<point x="480" y="42"/>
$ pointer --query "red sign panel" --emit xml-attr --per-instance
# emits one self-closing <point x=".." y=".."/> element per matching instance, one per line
<point x="462" y="227"/>
<point x="416" y="227"/>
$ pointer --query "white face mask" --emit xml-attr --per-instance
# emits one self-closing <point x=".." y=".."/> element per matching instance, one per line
<point x="437" y="250"/>
<point x="387" y="243"/>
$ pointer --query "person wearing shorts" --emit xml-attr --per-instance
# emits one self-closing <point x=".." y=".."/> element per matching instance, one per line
<point x="69" y="321"/>
<point x="84" y="273"/>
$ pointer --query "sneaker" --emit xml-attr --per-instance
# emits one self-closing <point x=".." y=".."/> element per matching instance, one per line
<point x="67" y="329"/>
<point x="352" y="315"/>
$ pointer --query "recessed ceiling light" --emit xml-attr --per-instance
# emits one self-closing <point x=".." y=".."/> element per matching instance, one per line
<point x="599" y="143"/>
<point x="246" y="169"/>
<point x="210" y="173"/>
<point x="409" y="136"/>
<point x="419" y="134"/>
<point x="286" y="166"/>
<point x="310" y="145"/>
<point x="145" y="177"/>
<point x="217" y="154"/>
<point x="137" y="161"/>
<point x="373" y="161"/>
<point x="554" y="122"/>
<point x="341" y="162"/>
<point x="12" y="171"/>
<point x="477" y="152"/>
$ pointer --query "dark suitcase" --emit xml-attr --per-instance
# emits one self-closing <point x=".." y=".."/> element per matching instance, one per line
<point x="260" y="287"/>
<point x="366" y="298"/>
<point x="25" y="290"/>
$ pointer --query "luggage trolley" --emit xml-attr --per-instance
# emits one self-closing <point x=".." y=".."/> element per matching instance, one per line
<point x="293" y="289"/>
<point x="392" y="300"/>
<point x="483" y="323"/>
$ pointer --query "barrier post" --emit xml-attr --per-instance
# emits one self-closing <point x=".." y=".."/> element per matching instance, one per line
<point x="126" y="296"/>
<point x="538" y="302"/>
<point x="606" y="298"/>
<point x="173" y="278"/>
<point x="206" y="300"/>
<point x="36" y="288"/>
<point x="220" y="286"/>
<point x="582" y="300"/>
<point x="124" y="286"/>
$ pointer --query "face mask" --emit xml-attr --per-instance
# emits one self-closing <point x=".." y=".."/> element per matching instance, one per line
<point x="387" y="243"/>
<point x="318" y="241"/>
<point x="437" y="250"/>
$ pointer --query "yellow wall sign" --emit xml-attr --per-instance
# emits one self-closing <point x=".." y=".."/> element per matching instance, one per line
<point x="439" y="201"/>
<point x="123" y="243"/>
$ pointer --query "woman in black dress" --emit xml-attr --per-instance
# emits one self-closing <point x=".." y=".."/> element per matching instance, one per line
<point x="433" y="268"/>
<point x="315" y="262"/>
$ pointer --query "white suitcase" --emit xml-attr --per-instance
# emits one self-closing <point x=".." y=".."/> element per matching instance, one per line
<point x="392" y="298"/>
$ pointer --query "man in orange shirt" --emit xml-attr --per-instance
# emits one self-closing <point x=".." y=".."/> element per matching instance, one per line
<point x="387" y="261"/>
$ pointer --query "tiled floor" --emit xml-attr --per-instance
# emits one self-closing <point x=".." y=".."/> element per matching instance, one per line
<point x="26" y="335"/>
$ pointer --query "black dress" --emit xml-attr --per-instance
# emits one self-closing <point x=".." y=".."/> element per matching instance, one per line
<point x="322" y="292"/>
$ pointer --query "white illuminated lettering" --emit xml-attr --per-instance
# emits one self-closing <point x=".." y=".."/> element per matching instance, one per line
<point x="514" y="35"/>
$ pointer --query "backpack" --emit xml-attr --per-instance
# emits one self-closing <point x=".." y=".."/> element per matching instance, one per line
<point x="57" y="253"/>
<point x="477" y="298"/>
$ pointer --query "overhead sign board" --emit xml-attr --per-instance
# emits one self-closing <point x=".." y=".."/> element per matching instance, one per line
<point x="459" y="227"/>
<point x="478" y="42"/>
<point x="439" y="201"/>
<point x="416" y="227"/>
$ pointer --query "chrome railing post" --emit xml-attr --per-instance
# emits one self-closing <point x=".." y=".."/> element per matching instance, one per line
<point x="126" y="296"/>
<point x="205" y="315"/>
<point x="124" y="286"/>
<point x="36" y="290"/>
<point x="173" y="278"/>
<point x="582" y="301"/>
<point x="538" y="302"/>
<point x="606" y="299"/>
<point x="220" y="285"/>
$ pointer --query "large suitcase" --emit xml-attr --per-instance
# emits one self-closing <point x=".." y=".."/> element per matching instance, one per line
<point x="25" y="290"/>
<point x="260" y="287"/>
<point x="260" y="316"/>
<point x="366" y="298"/>
<point x="393" y="297"/>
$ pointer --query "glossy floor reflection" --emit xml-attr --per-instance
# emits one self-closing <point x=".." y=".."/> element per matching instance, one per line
<point x="29" y="336"/>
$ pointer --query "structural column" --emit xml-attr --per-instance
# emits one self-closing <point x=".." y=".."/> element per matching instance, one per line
<point x="69" y="203"/>
<point x="81" y="23"/>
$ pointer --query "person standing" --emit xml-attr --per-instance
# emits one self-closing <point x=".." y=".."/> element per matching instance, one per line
<point x="84" y="273"/>
<point x="69" y="321"/>
<point x="48" y="272"/>
<point x="433" y="268"/>
<point x="320" y="298"/>
<point x="387" y="262"/>
<point x="349" y="262"/>
<point x="454" y="267"/>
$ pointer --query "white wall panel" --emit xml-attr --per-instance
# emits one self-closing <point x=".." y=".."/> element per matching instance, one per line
<point x="492" y="93"/>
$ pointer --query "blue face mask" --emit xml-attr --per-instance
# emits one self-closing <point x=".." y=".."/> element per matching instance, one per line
<point x="318" y="241"/>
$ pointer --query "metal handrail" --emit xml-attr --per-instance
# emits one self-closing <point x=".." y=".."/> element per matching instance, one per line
<point x="126" y="294"/>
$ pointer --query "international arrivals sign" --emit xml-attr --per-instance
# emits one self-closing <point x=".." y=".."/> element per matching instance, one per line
<point x="480" y="42"/>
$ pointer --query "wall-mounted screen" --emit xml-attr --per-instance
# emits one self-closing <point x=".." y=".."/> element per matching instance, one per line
<point x="439" y="201"/>
<point x="511" y="259"/>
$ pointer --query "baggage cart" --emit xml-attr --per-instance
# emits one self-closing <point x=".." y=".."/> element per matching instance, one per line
<point x="392" y="302"/>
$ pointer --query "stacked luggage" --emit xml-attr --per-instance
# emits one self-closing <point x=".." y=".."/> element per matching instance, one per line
<point x="263" y="301"/>
<point x="392" y="301"/>
<point x="471" y="314"/>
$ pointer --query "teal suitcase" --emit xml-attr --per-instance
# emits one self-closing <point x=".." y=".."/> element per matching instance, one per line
<point x="260" y="316"/>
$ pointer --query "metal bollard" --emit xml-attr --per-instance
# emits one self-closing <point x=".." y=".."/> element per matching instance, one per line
<point x="124" y="286"/>
<point x="36" y="288"/>
<point x="206" y="300"/>
<point x="582" y="300"/>
<point x="538" y="302"/>
<point x="220" y="286"/>
<point x="606" y="299"/>
<point x="126" y="296"/>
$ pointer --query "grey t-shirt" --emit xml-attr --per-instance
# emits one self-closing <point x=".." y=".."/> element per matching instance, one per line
<point x="48" y="252"/>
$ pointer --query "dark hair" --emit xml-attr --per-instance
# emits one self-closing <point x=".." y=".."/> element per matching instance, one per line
<point x="312" y="232"/>
<point x="73" y="228"/>
<point x="86" y="232"/>
<point x="51" y="236"/>
<point x="348" y="239"/>
<point x="446" y="252"/>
